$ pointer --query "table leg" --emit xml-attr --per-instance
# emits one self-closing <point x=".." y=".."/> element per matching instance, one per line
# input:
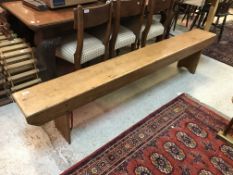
<point x="45" y="54"/>
<point x="190" y="62"/>
<point x="212" y="12"/>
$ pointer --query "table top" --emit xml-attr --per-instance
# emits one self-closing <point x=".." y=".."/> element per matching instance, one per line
<point x="35" y="19"/>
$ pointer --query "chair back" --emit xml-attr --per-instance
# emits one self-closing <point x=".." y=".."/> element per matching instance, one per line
<point x="128" y="11"/>
<point x="130" y="8"/>
<point x="162" y="7"/>
<point x="156" y="6"/>
<point x="92" y="17"/>
<point x="224" y="6"/>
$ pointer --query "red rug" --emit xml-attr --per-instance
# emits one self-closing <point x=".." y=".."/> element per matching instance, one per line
<point x="179" y="138"/>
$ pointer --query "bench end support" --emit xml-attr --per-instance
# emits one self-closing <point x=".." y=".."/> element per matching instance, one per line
<point x="64" y="125"/>
<point x="190" y="62"/>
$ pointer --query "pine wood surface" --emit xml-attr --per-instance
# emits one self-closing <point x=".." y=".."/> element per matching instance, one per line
<point x="49" y="100"/>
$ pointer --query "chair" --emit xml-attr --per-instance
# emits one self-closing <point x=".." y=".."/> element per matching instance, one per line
<point x="127" y="22"/>
<point x="222" y="12"/>
<point x="200" y="14"/>
<point x="84" y="47"/>
<point x="156" y="19"/>
<point x="188" y="9"/>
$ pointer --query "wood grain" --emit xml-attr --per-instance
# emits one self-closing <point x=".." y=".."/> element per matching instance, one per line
<point x="47" y="101"/>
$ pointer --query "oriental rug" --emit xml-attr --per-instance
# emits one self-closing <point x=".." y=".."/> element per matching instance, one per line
<point x="179" y="138"/>
<point x="223" y="50"/>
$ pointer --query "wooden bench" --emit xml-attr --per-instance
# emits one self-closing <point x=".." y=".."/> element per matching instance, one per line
<point x="51" y="100"/>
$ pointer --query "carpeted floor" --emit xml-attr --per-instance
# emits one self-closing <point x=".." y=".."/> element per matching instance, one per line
<point x="223" y="50"/>
<point x="178" y="138"/>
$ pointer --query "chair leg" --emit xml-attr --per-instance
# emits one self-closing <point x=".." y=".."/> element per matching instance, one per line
<point x="190" y="62"/>
<point x="187" y="22"/>
<point x="106" y="55"/>
<point x="117" y="52"/>
<point x="204" y="21"/>
<point x="111" y="50"/>
<point x="193" y="12"/>
<point x="184" y="17"/>
<point x="77" y="62"/>
<point x="143" y="43"/>
<point x="159" y="38"/>
<point x="138" y="45"/>
<point x="134" y="46"/>
<point x="216" y="24"/>
<point x="200" y="20"/>
<point x="185" y="13"/>
<point x="222" y="28"/>
<point x="194" y="21"/>
<point x="175" y="21"/>
<point x="167" y="32"/>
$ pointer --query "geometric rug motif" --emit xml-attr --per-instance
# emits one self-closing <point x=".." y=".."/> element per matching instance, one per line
<point x="223" y="50"/>
<point x="178" y="138"/>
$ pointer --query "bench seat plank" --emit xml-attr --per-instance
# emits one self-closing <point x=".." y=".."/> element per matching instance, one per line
<point x="46" y="101"/>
